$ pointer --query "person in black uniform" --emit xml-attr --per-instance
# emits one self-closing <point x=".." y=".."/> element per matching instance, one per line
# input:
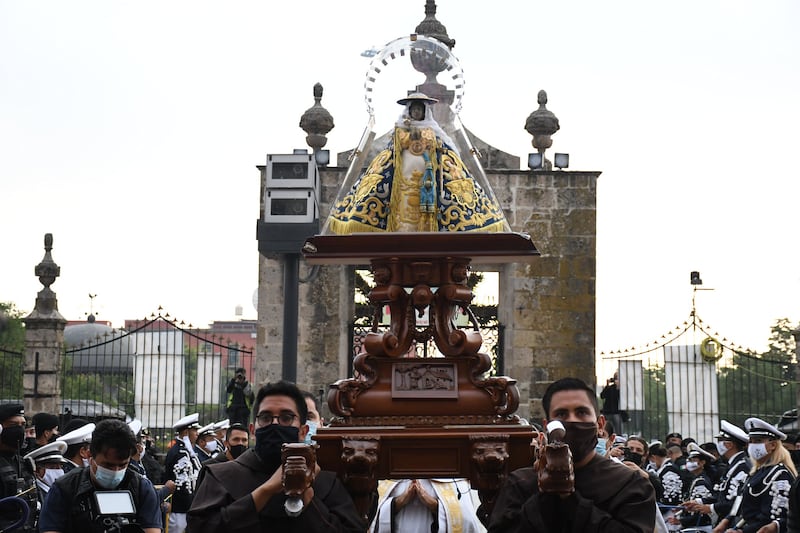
<point x="731" y="445"/>
<point x="16" y="479"/>
<point x="701" y="487"/>
<point x="765" y="497"/>
<point x="182" y="467"/>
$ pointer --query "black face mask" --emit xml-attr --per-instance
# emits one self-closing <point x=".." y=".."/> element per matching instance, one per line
<point x="634" y="457"/>
<point x="581" y="438"/>
<point x="13" y="436"/>
<point x="237" y="450"/>
<point x="269" y="440"/>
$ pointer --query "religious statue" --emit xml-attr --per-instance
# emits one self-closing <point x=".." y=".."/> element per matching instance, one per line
<point x="417" y="183"/>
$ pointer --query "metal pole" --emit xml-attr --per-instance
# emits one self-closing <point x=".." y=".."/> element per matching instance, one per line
<point x="290" y="306"/>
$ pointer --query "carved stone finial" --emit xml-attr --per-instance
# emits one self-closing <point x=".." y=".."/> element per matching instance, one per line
<point x="541" y="124"/>
<point x="47" y="271"/>
<point x="431" y="27"/>
<point x="316" y="121"/>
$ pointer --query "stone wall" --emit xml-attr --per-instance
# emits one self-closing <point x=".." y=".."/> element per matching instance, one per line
<point x="547" y="305"/>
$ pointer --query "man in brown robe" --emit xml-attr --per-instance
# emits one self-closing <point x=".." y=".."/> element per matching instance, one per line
<point x="247" y="494"/>
<point x="607" y="496"/>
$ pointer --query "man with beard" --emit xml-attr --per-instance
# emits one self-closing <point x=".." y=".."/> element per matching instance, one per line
<point x="247" y="494"/>
<point x="606" y="495"/>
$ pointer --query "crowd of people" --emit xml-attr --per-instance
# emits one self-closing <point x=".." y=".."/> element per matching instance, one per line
<point x="229" y="476"/>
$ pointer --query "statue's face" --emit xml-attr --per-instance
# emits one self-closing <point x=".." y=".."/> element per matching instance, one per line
<point x="416" y="110"/>
<point x="360" y="456"/>
<point x="490" y="456"/>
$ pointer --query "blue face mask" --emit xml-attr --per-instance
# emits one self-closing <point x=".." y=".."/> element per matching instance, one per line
<point x="108" y="479"/>
<point x="312" y="430"/>
<point x="600" y="447"/>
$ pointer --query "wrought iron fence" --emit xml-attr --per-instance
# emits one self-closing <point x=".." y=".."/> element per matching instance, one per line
<point x="10" y="374"/>
<point x="156" y="371"/>
<point x="689" y="389"/>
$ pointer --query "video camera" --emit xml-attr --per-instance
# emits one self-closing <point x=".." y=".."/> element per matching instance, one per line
<point x="115" y="510"/>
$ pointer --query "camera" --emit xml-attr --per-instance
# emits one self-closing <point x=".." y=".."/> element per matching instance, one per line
<point x="115" y="508"/>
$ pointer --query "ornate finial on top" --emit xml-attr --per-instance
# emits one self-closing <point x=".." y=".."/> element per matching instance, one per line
<point x="432" y="27"/>
<point x="316" y="121"/>
<point x="47" y="271"/>
<point x="541" y="124"/>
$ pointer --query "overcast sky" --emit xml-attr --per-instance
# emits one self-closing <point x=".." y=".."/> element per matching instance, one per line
<point x="131" y="131"/>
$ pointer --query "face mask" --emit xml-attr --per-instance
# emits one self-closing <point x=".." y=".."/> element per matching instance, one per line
<point x="581" y="438"/>
<point x="13" y="436"/>
<point x="86" y="462"/>
<point x="51" y="475"/>
<point x="600" y="448"/>
<point x="52" y="438"/>
<point x="757" y="451"/>
<point x="635" y="458"/>
<point x="691" y="466"/>
<point x="312" y="430"/>
<point x="211" y="446"/>
<point x="269" y="440"/>
<point x="108" y="479"/>
<point x="721" y="448"/>
<point x="237" y="450"/>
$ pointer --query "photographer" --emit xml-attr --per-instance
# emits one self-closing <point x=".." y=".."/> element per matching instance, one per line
<point x="240" y="398"/>
<point x="72" y="505"/>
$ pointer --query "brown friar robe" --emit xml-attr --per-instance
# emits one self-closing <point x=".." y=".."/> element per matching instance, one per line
<point x="609" y="497"/>
<point x="223" y="503"/>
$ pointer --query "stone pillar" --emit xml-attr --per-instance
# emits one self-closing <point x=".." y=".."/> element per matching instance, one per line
<point x="44" y="342"/>
<point x="548" y="304"/>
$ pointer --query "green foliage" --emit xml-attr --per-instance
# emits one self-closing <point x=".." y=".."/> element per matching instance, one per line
<point x="12" y="330"/>
<point x="12" y="346"/>
<point x="762" y="385"/>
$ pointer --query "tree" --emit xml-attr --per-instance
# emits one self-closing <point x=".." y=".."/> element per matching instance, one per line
<point x="12" y="345"/>
<point x="762" y="385"/>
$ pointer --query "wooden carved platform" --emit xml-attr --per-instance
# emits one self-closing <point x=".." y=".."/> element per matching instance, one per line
<point x="405" y="417"/>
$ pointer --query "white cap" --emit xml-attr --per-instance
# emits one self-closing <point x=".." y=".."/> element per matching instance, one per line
<point x="759" y="428"/>
<point x="187" y="421"/>
<point x="208" y="429"/>
<point x="136" y="426"/>
<point x="222" y="424"/>
<point x="82" y="435"/>
<point x="694" y="450"/>
<point x="730" y="432"/>
<point x="52" y="452"/>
